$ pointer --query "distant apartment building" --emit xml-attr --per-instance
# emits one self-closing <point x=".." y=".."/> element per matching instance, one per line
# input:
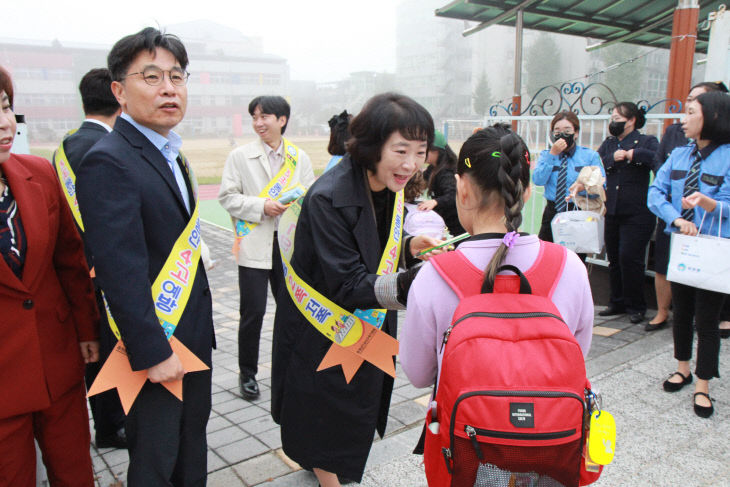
<point x="227" y="70"/>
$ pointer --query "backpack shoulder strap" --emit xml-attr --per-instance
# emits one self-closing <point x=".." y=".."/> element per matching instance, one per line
<point x="459" y="273"/>
<point x="547" y="269"/>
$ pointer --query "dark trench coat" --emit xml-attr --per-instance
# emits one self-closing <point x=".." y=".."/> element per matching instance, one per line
<point x="325" y="422"/>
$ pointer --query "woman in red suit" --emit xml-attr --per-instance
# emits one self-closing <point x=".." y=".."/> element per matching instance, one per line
<point x="48" y="321"/>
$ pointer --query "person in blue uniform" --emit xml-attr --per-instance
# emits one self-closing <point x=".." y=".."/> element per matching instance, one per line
<point x="629" y="158"/>
<point x="558" y="168"/>
<point x="693" y="184"/>
<point x="674" y="137"/>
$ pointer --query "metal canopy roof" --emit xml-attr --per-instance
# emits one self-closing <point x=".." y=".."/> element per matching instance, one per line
<point x="643" y="22"/>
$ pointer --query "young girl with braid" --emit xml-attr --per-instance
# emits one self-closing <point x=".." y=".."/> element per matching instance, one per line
<point x="493" y="184"/>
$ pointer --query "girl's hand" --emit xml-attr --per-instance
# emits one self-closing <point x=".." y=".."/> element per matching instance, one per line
<point x="423" y="242"/>
<point x="427" y="205"/>
<point x="685" y="227"/>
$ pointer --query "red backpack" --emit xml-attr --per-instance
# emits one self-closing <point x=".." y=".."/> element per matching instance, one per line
<point x="511" y="397"/>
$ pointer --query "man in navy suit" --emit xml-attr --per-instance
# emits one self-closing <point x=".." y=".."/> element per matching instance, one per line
<point x="135" y="193"/>
<point x="101" y="110"/>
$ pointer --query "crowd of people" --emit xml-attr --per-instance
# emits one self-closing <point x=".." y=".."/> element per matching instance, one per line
<point x="109" y="262"/>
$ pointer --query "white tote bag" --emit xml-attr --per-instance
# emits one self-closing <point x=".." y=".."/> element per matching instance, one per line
<point x="580" y="231"/>
<point x="701" y="261"/>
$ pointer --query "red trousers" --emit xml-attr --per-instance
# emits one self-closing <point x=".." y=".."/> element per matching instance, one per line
<point x="62" y="432"/>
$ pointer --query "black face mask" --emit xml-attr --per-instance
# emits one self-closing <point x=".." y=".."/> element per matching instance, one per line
<point x="616" y="128"/>
<point x="565" y="136"/>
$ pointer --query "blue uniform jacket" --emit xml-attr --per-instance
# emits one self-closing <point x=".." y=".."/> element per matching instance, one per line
<point x="665" y="193"/>
<point x="548" y="166"/>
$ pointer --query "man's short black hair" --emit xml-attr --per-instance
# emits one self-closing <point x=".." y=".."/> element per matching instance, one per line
<point x="272" y="105"/>
<point x="381" y="116"/>
<point x="96" y="93"/>
<point x="716" y="116"/>
<point x="148" y="39"/>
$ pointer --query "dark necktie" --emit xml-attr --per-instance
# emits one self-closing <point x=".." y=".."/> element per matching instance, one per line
<point x="691" y="184"/>
<point x="562" y="186"/>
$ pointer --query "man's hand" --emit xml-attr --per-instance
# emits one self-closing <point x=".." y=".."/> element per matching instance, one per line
<point x="273" y="208"/>
<point x="89" y="351"/>
<point x="168" y="370"/>
<point x="423" y="242"/>
<point x="427" y="205"/>
<point x="685" y="227"/>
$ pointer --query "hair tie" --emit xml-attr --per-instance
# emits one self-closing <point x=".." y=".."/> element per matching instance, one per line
<point x="467" y="162"/>
<point x="510" y="238"/>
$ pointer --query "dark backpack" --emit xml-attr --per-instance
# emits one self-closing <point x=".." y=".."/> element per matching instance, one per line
<point x="511" y="397"/>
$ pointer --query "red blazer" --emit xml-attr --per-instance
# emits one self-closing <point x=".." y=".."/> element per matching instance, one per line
<point x="45" y="315"/>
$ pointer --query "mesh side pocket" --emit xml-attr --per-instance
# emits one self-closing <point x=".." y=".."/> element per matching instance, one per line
<point x="518" y="466"/>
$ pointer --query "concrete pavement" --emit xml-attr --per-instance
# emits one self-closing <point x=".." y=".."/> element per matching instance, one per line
<point x="660" y="441"/>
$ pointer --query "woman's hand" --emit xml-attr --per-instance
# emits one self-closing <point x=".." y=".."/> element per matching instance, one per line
<point x="630" y="155"/>
<point x="620" y="155"/>
<point x="427" y="205"/>
<point x="423" y="242"/>
<point x="701" y="200"/>
<point x="559" y="146"/>
<point x="89" y="351"/>
<point x="685" y="227"/>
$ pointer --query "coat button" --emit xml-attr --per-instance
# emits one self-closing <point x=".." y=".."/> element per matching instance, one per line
<point x="28" y="304"/>
<point x="616" y="188"/>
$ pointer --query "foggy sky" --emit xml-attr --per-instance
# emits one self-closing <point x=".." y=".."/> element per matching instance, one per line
<point x="323" y="40"/>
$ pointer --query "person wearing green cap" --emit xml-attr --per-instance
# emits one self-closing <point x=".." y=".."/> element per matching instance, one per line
<point x="441" y="162"/>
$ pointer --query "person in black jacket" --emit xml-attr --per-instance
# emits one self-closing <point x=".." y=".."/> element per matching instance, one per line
<point x="629" y="158"/>
<point x="442" y="184"/>
<point x="101" y="110"/>
<point x="327" y="423"/>
<point x="674" y="137"/>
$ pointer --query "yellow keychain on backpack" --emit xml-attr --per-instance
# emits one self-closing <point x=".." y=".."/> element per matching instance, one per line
<point x="602" y="437"/>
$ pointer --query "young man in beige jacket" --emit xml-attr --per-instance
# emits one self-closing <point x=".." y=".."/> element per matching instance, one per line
<point x="254" y="176"/>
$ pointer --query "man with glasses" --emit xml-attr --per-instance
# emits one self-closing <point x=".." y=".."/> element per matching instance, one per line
<point x="136" y="196"/>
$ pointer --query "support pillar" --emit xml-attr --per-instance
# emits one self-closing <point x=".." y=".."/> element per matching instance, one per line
<point x="517" y="97"/>
<point x="681" y="53"/>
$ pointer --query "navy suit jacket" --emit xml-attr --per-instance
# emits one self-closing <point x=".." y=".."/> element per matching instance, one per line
<point x="134" y="212"/>
<point x="78" y="144"/>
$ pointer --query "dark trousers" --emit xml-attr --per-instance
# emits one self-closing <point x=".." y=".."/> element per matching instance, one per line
<point x="62" y="431"/>
<point x="167" y="437"/>
<point x="705" y="307"/>
<point x="626" y="239"/>
<point x="252" y="287"/>
<point x="546" y="231"/>
<point x="105" y="407"/>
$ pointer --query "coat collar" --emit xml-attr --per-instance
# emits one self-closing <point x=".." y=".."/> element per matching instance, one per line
<point x="33" y="211"/>
<point x="152" y="155"/>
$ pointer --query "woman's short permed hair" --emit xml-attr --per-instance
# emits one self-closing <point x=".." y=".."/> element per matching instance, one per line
<point x="6" y="84"/>
<point x="382" y="116"/>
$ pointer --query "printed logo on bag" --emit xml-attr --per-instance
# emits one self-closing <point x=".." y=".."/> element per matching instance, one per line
<point x="522" y="414"/>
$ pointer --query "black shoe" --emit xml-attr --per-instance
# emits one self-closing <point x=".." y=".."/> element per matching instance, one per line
<point x="115" y="440"/>
<point x="610" y="311"/>
<point x="655" y="326"/>
<point x="249" y="387"/>
<point x="636" y="318"/>
<point x="703" y="411"/>
<point x="675" y="386"/>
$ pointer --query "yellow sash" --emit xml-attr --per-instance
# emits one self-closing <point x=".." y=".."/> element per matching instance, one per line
<point x="277" y="186"/>
<point x="170" y="292"/>
<point x="68" y="180"/>
<point x="355" y="336"/>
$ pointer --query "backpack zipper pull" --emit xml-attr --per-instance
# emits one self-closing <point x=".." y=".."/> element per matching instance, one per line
<point x="471" y="432"/>
<point x="447" y="458"/>
<point x="446" y="337"/>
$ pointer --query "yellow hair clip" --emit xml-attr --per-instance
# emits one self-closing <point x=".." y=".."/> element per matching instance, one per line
<point x="467" y="162"/>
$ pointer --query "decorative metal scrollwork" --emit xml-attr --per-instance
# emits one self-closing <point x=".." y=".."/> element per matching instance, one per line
<point x="582" y="99"/>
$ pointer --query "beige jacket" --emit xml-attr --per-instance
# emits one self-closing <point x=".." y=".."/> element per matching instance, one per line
<point x="245" y="174"/>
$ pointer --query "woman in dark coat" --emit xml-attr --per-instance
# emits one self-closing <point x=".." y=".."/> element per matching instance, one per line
<point x="440" y="173"/>
<point x="628" y="157"/>
<point x="328" y="424"/>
